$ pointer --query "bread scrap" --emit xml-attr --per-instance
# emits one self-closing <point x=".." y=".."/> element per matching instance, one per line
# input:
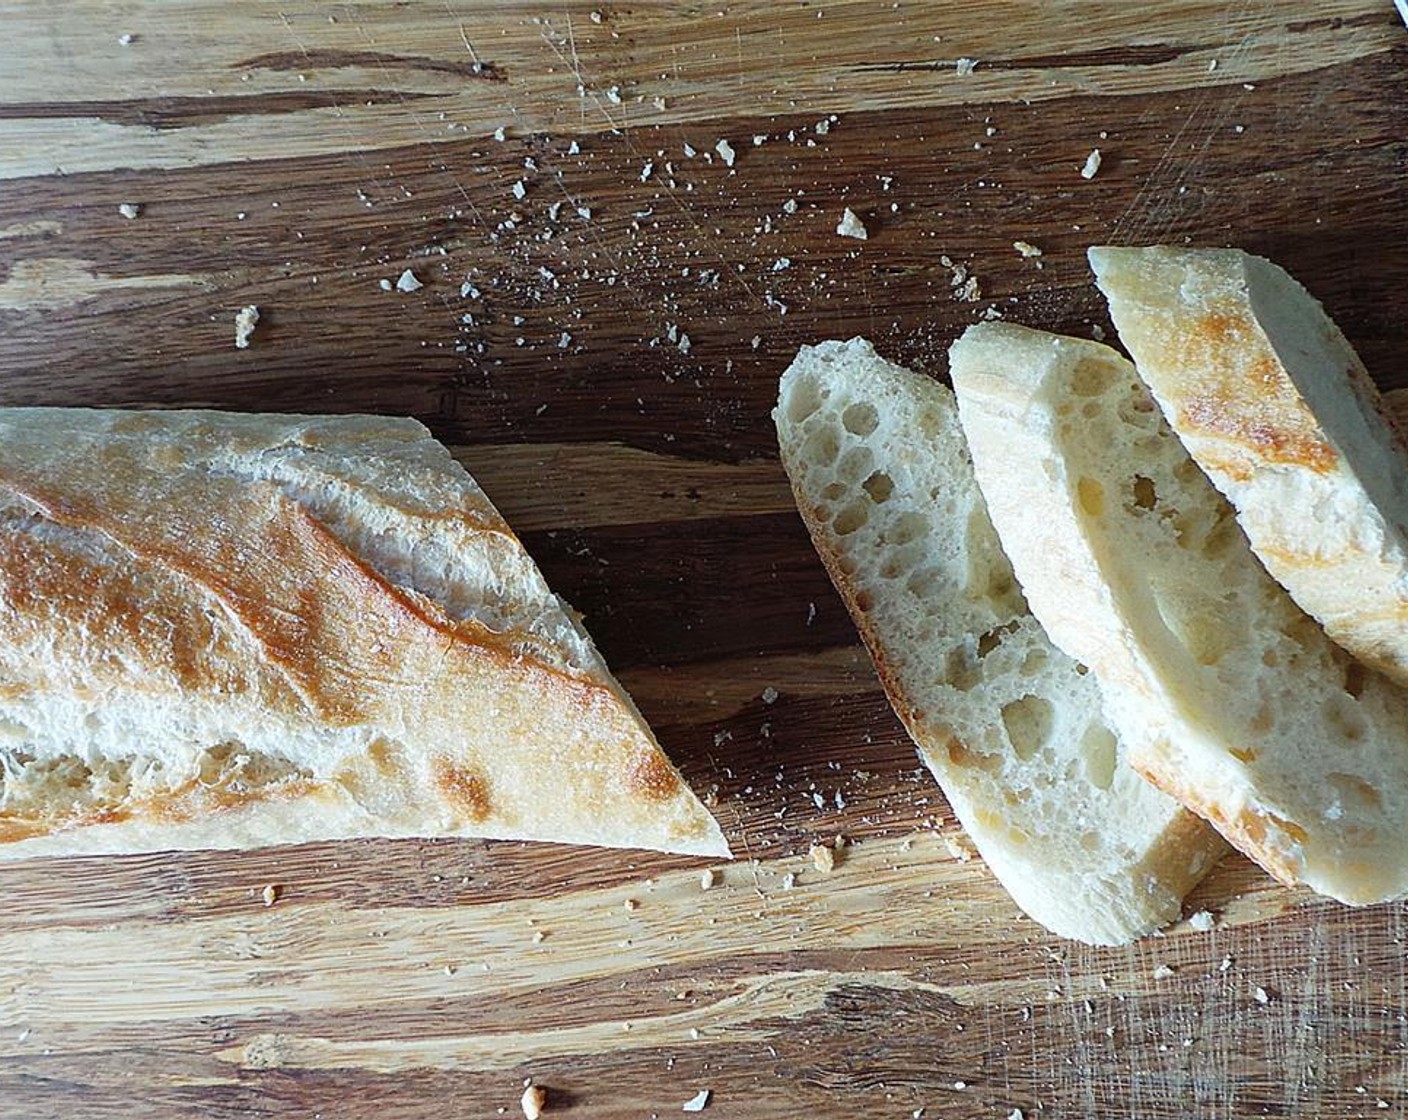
<point x="1228" y="695"/>
<point x="1276" y="407"/>
<point x="225" y="631"/>
<point x="1010" y="726"/>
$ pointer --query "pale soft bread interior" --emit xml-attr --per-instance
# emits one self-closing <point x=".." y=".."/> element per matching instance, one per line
<point x="1276" y="407"/>
<point x="226" y="631"/>
<point x="1010" y="726"/>
<point x="1228" y="695"/>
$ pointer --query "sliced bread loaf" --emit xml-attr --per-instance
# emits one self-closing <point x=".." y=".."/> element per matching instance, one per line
<point x="1010" y="726"/>
<point x="1276" y="407"/>
<point x="1229" y="697"/>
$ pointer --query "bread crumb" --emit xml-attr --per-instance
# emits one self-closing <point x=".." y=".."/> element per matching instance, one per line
<point x="631" y="904"/>
<point x="1261" y="994"/>
<point x="520" y="191"/>
<point x="960" y="1085"/>
<point x="246" y="319"/>
<point x="130" y="210"/>
<point x="726" y="152"/>
<point x="823" y="858"/>
<point x="539" y="936"/>
<point x="789" y="881"/>
<point x="1092" y="164"/>
<point x="270" y="895"/>
<point x="965" y="66"/>
<point x="499" y="134"/>
<point x="707" y="878"/>
<point x="851" y="226"/>
<point x="534" y="1100"/>
<point x="1016" y="1114"/>
<point x="959" y="847"/>
<point x="408" y="282"/>
<point x="770" y="695"/>
<point x="1162" y="972"/>
<point x="1026" y="248"/>
<point x="126" y="39"/>
<point x="698" y="1102"/>
<point x="1202" y="921"/>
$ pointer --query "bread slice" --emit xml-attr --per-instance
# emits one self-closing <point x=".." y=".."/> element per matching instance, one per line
<point x="1277" y="408"/>
<point x="1009" y="725"/>
<point x="1230" y="698"/>
<point x="224" y="631"/>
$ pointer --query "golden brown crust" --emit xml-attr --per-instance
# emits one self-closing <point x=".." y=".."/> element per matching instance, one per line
<point x="1258" y="410"/>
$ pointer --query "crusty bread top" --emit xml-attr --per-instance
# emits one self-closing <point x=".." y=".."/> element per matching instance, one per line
<point x="1277" y="408"/>
<point x="1008" y="724"/>
<point x="1229" y="696"/>
<point x="206" y="618"/>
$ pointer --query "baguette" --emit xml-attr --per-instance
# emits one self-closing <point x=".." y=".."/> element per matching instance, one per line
<point x="1277" y="408"/>
<point x="1009" y="725"/>
<point x="1229" y="696"/>
<point x="225" y="631"/>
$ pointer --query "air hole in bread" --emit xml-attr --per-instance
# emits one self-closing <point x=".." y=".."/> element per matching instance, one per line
<point x="893" y="566"/>
<point x="1090" y="841"/>
<point x="1205" y="636"/>
<point x="960" y="755"/>
<point x="993" y="638"/>
<point x="855" y="464"/>
<point x="1035" y="663"/>
<point x="1098" y="748"/>
<point x="961" y="670"/>
<point x="822" y="446"/>
<point x="865" y="602"/>
<point x="879" y="486"/>
<point x="833" y="491"/>
<point x="1357" y="795"/>
<point x="907" y="527"/>
<point x="853" y="517"/>
<point x="1145" y="494"/>
<point x="1354" y="677"/>
<point x="860" y="418"/>
<point x="1028" y="723"/>
<point x="925" y="582"/>
<point x="1091" y="377"/>
<point x="1091" y="496"/>
<point x="1345" y="718"/>
<point x="806" y="397"/>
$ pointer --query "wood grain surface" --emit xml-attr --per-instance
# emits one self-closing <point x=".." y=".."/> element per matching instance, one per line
<point x="602" y="353"/>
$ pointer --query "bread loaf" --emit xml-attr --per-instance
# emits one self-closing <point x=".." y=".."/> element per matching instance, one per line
<point x="222" y="631"/>
<point x="1228" y="695"/>
<point x="1009" y="725"/>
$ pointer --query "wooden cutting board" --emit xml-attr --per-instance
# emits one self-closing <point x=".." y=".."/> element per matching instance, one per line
<point x="602" y="353"/>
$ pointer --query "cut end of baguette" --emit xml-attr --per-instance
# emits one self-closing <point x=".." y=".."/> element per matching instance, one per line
<point x="1228" y="695"/>
<point x="1009" y="726"/>
<point x="229" y="631"/>
<point x="1276" y="407"/>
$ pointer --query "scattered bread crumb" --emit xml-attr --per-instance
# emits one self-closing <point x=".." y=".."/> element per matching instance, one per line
<point x="698" y="1102"/>
<point x="960" y="1085"/>
<point x="539" y="936"/>
<point x="1016" y="1114"/>
<point x="789" y="881"/>
<point x="1092" y="164"/>
<point x="408" y="282"/>
<point x="707" y="878"/>
<point x="1026" y="248"/>
<point x="726" y="152"/>
<point x="1261" y="994"/>
<point x="499" y="134"/>
<point x="534" y="1100"/>
<point x="823" y="858"/>
<point x="965" y="66"/>
<point x="1202" y="921"/>
<point x="959" y="847"/>
<point x="246" y="319"/>
<point x="270" y="894"/>
<point x="631" y="904"/>
<point x="126" y="39"/>
<point x="851" y="226"/>
<point x="130" y="209"/>
<point x="770" y="695"/>
<point x="1162" y="972"/>
<point x="520" y="190"/>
